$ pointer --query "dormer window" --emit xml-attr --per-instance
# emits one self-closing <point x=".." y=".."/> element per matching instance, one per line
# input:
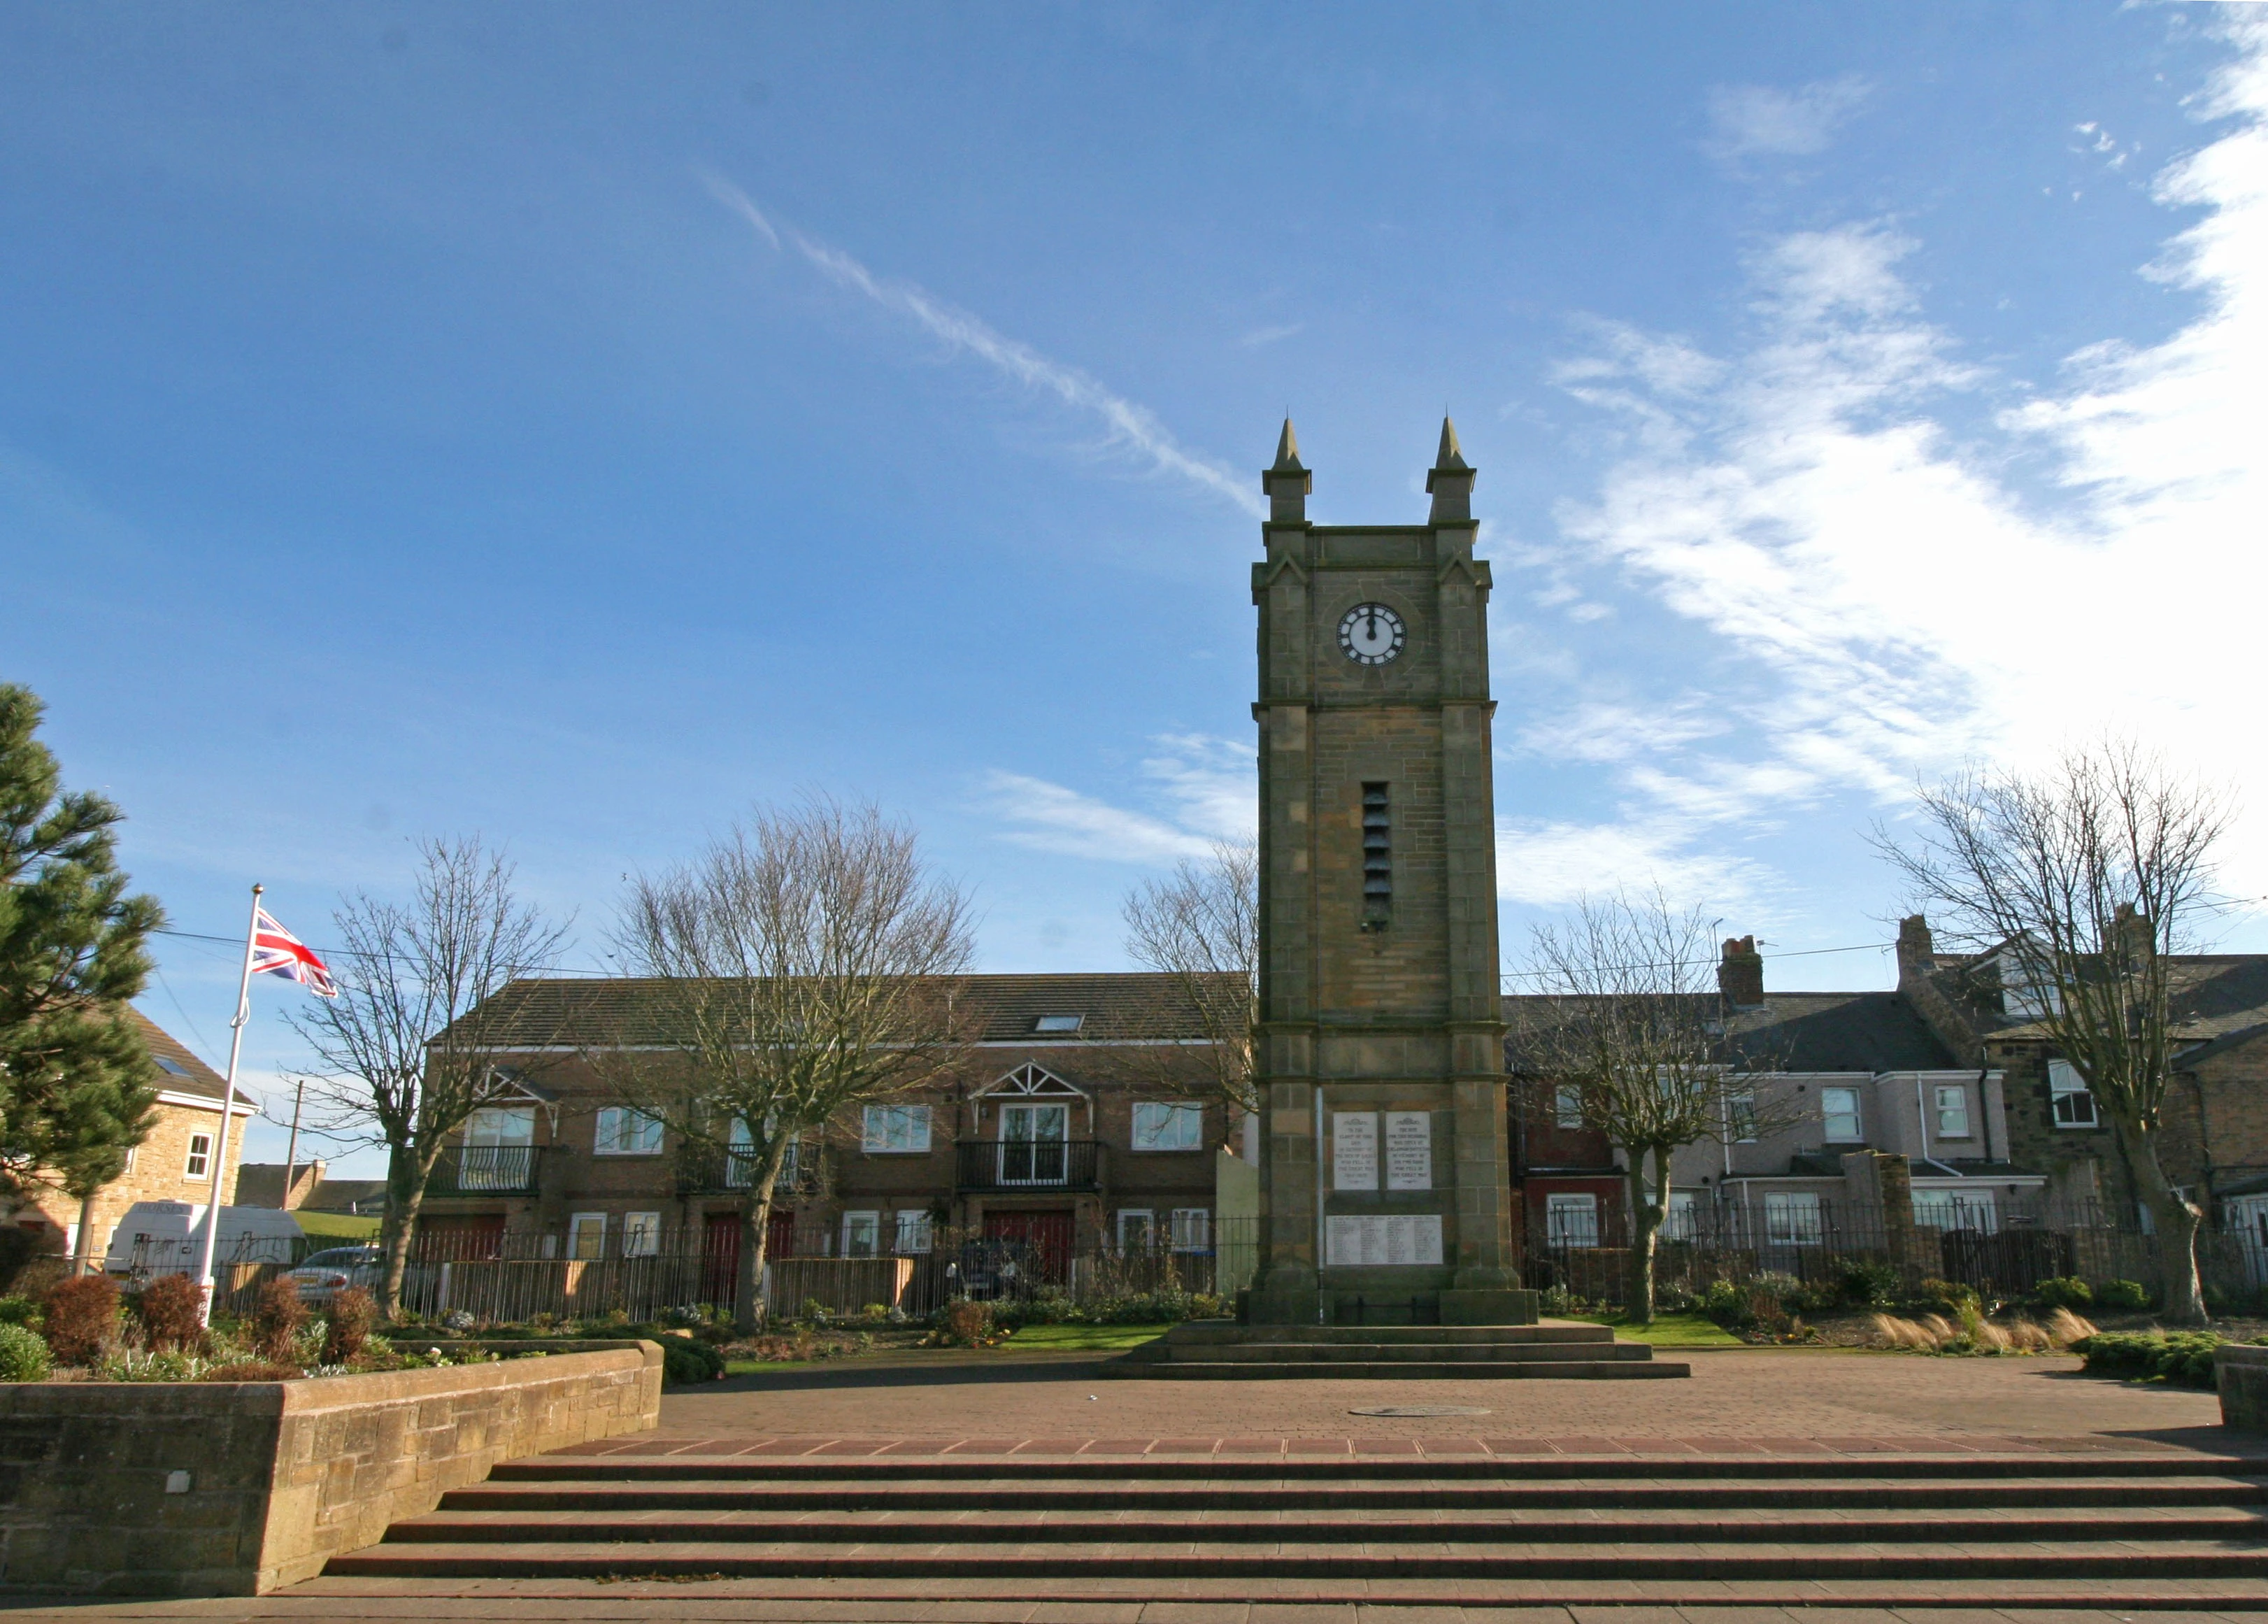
<point x="1059" y="1023"/>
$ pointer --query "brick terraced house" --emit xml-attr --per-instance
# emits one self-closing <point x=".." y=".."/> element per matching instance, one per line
<point x="1073" y="1122"/>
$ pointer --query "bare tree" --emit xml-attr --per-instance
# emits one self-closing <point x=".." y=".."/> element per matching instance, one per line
<point x="1202" y="927"/>
<point x="1630" y="1017"/>
<point x="412" y="1046"/>
<point x="2081" y="881"/>
<point x="807" y="964"/>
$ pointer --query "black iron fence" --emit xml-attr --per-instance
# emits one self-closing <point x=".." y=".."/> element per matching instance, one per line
<point x="503" y="1278"/>
<point x="1998" y="1254"/>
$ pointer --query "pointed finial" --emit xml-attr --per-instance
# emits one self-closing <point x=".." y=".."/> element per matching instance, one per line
<point x="1288" y="483"/>
<point x="1450" y="456"/>
<point x="1287" y="452"/>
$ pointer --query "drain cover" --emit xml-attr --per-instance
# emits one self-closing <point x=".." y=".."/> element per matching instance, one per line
<point x="1419" y="1409"/>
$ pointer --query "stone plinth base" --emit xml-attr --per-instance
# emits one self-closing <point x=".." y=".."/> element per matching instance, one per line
<point x="1489" y="1308"/>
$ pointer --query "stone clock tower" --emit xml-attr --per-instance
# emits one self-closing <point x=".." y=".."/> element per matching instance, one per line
<point x="1385" y="1189"/>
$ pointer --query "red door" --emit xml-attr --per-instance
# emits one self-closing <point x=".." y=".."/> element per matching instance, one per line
<point x="1048" y="1234"/>
<point x="720" y="1258"/>
<point x="469" y="1238"/>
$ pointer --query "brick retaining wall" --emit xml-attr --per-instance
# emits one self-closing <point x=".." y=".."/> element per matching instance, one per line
<point x="235" y="1489"/>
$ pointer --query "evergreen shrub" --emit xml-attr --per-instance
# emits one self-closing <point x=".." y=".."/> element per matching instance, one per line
<point x="171" y="1309"/>
<point x="24" y="1357"/>
<point x="2178" y="1358"/>
<point x="2122" y="1296"/>
<point x="82" y="1318"/>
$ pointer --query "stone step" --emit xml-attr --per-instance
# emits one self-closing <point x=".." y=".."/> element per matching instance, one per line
<point x="1610" y="1368"/>
<point x="1233" y="1525"/>
<point x="2057" y="1561"/>
<point x="1210" y="1330"/>
<point x="1447" y="1353"/>
<point x="927" y="1493"/>
<point x="1228" y="1468"/>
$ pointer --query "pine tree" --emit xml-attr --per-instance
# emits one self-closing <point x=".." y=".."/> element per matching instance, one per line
<point x="77" y="1087"/>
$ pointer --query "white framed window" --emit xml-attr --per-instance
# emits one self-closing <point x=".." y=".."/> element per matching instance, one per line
<point x="1791" y="1218"/>
<point x="1161" y="1126"/>
<point x="623" y="1131"/>
<point x="198" y="1164"/>
<point x="915" y="1231"/>
<point x="1957" y="1210"/>
<point x="1136" y="1226"/>
<point x="1741" y="1118"/>
<point x="1571" y="1218"/>
<point x="1059" y="1023"/>
<point x="131" y="1152"/>
<point x="1567" y="1106"/>
<point x="862" y="1234"/>
<point x="1839" y="1110"/>
<point x="895" y="1130"/>
<point x="2070" y="1104"/>
<point x="1682" y="1220"/>
<point x="1192" y="1228"/>
<point x="1952" y="1111"/>
<point x="641" y="1234"/>
<point x="587" y="1236"/>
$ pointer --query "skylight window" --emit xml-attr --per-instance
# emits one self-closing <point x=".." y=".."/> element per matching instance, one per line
<point x="1059" y="1023"/>
<point x="164" y="1064"/>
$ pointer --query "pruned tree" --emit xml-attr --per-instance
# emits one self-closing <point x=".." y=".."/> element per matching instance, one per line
<point x="1630" y="1017"/>
<point x="2083" y="880"/>
<point x="412" y="1045"/>
<point x="77" y="1087"/>
<point x="1201" y="926"/>
<point x="806" y="965"/>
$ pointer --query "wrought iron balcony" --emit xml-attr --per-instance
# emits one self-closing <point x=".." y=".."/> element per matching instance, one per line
<point x="704" y="1169"/>
<point x="1008" y="1165"/>
<point x="487" y="1170"/>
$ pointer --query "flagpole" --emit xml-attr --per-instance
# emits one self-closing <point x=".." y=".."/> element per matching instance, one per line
<point x="228" y="1105"/>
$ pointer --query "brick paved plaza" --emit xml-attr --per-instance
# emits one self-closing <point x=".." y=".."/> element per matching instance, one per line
<point x="1773" y="1397"/>
<point x="1761" y="1403"/>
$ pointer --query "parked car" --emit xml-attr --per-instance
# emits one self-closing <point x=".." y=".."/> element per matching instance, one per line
<point x="325" y="1274"/>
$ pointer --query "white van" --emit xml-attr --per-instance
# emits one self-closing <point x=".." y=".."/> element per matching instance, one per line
<point x="168" y="1237"/>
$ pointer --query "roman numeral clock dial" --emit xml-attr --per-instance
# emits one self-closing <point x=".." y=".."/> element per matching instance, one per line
<point x="1371" y="634"/>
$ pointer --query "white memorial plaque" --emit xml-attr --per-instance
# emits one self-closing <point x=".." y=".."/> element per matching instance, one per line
<point x="1397" y="1239"/>
<point x="1410" y="1150"/>
<point x="1354" y="1150"/>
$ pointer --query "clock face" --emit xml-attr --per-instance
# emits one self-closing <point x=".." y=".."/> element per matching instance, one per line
<point x="1371" y="634"/>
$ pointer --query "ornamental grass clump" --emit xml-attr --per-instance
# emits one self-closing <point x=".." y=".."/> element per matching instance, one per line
<point x="82" y="1318"/>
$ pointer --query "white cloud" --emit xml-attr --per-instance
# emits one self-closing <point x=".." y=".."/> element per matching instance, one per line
<point x="1891" y="601"/>
<point x="1258" y="336"/>
<point x="1749" y="120"/>
<point x="1206" y="788"/>
<point x="1550" y="864"/>
<point x="1126" y="423"/>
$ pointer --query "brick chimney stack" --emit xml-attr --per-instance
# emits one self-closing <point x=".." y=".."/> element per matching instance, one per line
<point x="1740" y="973"/>
<point x="1917" y="948"/>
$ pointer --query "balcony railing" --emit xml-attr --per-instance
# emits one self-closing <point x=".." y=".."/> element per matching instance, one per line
<point x="487" y="1170"/>
<point x="704" y="1169"/>
<point x="1012" y="1164"/>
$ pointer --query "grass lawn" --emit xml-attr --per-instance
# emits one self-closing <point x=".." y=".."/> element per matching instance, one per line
<point x="1669" y="1331"/>
<point x="1086" y="1339"/>
<point x="339" y="1226"/>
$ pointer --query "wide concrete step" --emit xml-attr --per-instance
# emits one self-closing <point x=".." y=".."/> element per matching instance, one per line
<point x="1963" y="1467"/>
<point x="1371" y="1525"/>
<point x="2059" y="1561"/>
<point x="1208" y="1330"/>
<point x="1357" y="1496"/>
<point x="1440" y="1352"/>
<point x="1286" y="1367"/>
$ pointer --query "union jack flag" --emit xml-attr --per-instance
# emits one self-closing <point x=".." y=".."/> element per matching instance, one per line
<point x="277" y="952"/>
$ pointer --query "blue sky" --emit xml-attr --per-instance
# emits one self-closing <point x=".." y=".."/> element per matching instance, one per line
<point x="574" y="424"/>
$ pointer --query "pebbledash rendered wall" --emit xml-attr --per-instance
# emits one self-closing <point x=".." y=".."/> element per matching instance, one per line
<point x="235" y="1489"/>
